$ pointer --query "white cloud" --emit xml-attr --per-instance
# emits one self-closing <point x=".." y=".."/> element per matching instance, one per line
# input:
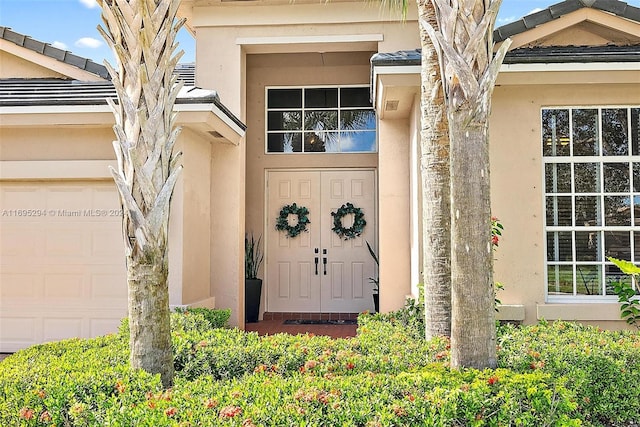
<point x="502" y="21"/>
<point x="89" y="42"/>
<point x="89" y="3"/>
<point x="60" y="45"/>
<point x="537" y="9"/>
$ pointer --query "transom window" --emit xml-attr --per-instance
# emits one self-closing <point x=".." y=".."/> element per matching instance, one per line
<point x="592" y="193"/>
<point x="320" y="120"/>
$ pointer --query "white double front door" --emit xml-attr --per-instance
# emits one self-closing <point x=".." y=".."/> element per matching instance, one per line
<point x="317" y="271"/>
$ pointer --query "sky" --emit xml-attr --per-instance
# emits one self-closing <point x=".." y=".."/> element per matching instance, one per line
<point x="71" y="24"/>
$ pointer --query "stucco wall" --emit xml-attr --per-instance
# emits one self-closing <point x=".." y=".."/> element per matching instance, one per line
<point x="518" y="193"/>
<point x="12" y="66"/>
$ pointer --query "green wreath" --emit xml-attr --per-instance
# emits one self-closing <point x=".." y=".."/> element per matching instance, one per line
<point x="358" y="221"/>
<point x="282" y="224"/>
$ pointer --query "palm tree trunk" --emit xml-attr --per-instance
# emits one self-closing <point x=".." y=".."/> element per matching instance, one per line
<point x="434" y="162"/>
<point x="473" y="339"/>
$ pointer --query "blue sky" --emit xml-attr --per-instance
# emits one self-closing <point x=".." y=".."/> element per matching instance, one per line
<point x="71" y="24"/>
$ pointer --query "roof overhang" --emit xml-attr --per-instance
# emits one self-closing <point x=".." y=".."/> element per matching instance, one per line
<point x="206" y="119"/>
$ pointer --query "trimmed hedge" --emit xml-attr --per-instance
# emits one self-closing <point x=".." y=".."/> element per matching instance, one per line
<point x="383" y="377"/>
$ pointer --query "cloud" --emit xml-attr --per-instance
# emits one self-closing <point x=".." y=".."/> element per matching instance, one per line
<point x="502" y="21"/>
<point x="537" y="9"/>
<point x="89" y="42"/>
<point x="60" y="45"/>
<point x="89" y="3"/>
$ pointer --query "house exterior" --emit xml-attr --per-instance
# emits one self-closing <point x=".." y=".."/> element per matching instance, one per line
<point x="329" y="93"/>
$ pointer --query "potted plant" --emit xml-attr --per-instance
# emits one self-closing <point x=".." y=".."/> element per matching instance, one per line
<point x="375" y="280"/>
<point x="252" y="285"/>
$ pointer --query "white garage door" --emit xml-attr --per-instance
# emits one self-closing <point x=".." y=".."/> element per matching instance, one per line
<point x="62" y="267"/>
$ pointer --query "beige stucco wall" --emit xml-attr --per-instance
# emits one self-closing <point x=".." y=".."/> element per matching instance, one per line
<point x="12" y="66"/>
<point x="517" y="186"/>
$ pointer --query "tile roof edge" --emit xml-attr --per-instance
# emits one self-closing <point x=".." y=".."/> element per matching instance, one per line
<point x="47" y="49"/>
<point x="555" y="11"/>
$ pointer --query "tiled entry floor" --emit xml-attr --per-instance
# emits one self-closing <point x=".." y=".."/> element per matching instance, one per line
<point x="273" y="323"/>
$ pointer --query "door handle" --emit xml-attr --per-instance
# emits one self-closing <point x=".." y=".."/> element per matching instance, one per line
<point x="324" y="261"/>
<point x="316" y="260"/>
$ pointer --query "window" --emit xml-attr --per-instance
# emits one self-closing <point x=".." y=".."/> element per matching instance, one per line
<point x="591" y="162"/>
<point x="320" y="120"/>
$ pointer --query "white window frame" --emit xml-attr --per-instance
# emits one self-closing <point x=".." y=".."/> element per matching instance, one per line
<point x="630" y="159"/>
<point x="302" y="109"/>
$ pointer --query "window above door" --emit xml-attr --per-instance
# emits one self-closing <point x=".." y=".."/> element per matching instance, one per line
<point x="330" y="119"/>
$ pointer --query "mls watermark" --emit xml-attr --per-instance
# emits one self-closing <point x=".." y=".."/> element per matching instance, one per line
<point x="81" y="213"/>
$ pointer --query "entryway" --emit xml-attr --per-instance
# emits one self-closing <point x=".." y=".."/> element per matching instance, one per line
<point x="317" y="271"/>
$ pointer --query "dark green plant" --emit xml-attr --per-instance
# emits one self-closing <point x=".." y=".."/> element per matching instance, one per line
<point x="374" y="280"/>
<point x="217" y="318"/>
<point x="627" y="296"/>
<point x="252" y="256"/>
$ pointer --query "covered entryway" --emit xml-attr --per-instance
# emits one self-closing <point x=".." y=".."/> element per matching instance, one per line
<point x="317" y="271"/>
<point x="62" y="265"/>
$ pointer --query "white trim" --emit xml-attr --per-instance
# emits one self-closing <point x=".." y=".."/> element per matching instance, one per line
<point x="56" y="169"/>
<point x="279" y="40"/>
<point x="564" y="66"/>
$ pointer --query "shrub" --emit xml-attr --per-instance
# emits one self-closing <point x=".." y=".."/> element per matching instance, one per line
<point x="217" y="318"/>
<point x="557" y="374"/>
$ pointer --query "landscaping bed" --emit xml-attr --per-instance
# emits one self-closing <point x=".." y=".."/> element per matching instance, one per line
<point x="559" y="374"/>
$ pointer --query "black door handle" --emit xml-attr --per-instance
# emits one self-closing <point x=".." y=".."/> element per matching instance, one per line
<point x="324" y="261"/>
<point x="316" y="260"/>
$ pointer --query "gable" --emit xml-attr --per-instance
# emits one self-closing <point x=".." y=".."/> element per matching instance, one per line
<point x="572" y="23"/>
<point x="24" y="57"/>
<point x="14" y="67"/>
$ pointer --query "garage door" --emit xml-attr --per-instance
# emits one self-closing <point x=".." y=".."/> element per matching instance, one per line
<point x="62" y="267"/>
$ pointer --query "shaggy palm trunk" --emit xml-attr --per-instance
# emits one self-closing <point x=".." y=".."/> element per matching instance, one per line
<point x="142" y="35"/>
<point x="463" y="39"/>
<point x="434" y="163"/>
<point x="473" y="339"/>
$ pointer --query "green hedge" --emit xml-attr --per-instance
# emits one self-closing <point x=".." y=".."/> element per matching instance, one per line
<point x="554" y="375"/>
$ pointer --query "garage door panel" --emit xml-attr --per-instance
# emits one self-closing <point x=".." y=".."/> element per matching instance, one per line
<point x="62" y="271"/>
<point x="108" y="285"/>
<point x="59" y="328"/>
<point x="66" y="243"/>
<point x="19" y="240"/>
<point x="20" y="286"/>
<point x="64" y="286"/>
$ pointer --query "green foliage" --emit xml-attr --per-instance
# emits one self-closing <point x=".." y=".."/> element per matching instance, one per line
<point x="253" y="256"/>
<point x="627" y="296"/>
<point x="602" y="368"/>
<point x="557" y="374"/>
<point x="216" y="318"/>
<point x="374" y="280"/>
<point x="358" y="221"/>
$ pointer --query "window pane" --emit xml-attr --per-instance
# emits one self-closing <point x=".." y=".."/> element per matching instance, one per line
<point x="560" y="279"/>
<point x="559" y="246"/>
<point x="616" y="177"/>
<point x="587" y="211"/>
<point x="317" y="142"/>
<point x="357" y="120"/>
<point x="635" y="130"/>
<point x="284" y="120"/>
<point x="284" y="98"/>
<point x="585" y="132"/>
<point x="587" y="176"/>
<point x="284" y="142"/>
<point x="636" y="245"/>
<point x="321" y="98"/>
<point x="588" y="246"/>
<point x="615" y="139"/>
<point x="589" y="279"/>
<point x="321" y="120"/>
<point x="555" y="132"/>
<point x="558" y="178"/>
<point x="636" y="210"/>
<point x="613" y="274"/>
<point x="617" y="244"/>
<point x="636" y="177"/>
<point x="559" y="211"/>
<point x="361" y="141"/>
<point x="617" y="210"/>
<point x="354" y="97"/>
